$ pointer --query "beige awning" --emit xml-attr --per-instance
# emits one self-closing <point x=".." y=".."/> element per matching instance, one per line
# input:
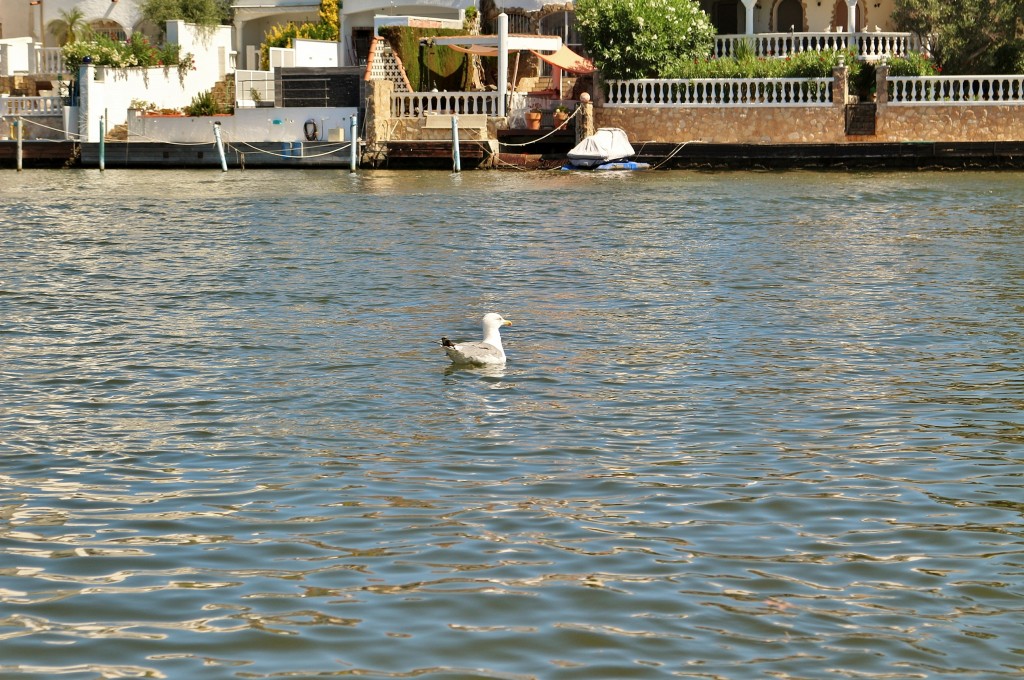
<point x="567" y="60"/>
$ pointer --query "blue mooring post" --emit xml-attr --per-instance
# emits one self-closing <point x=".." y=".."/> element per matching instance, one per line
<point x="220" y="147"/>
<point x="353" y="145"/>
<point x="17" y="128"/>
<point x="103" y="145"/>
<point x="456" y="159"/>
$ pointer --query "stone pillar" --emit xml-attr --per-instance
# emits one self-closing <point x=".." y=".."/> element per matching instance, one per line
<point x="749" y="6"/>
<point x="840" y="86"/>
<point x="851" y="16"/>
<point x="882" y="83"/>
<point x="585" y="121"/>
<point x="378" y="111"/>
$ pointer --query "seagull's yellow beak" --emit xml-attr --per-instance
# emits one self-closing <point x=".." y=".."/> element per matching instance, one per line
<point x="506" y="322"/>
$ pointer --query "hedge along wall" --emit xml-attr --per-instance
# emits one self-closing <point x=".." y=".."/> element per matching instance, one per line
<point x="430" y="66"/>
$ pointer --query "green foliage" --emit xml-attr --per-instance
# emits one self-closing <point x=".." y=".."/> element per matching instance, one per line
<point x="913" y="65"/>
<point x="69" y="27"/>
<point x="206" y="13"/>
<point x="746" y="65"/>
<point x="203" y="104"/>
<point x="427" y="65"/>
<point x="967" y="36"/>
<point x="643" y="38"/>
<point x="136" y="51"/>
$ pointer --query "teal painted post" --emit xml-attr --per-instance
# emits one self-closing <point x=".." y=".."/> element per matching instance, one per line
<point x="220" y="147"/>
<point x="456" y="160"/>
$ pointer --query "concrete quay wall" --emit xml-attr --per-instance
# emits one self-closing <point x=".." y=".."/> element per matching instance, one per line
<point x="815" y="125"/>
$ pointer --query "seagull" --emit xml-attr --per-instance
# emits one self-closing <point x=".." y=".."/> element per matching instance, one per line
<point x="489" y="352"/>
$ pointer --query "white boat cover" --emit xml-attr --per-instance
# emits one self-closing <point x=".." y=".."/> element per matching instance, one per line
<point x="607" y="144"/>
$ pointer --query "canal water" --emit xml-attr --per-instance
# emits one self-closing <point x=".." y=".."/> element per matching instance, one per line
<point x="753" y="425"/>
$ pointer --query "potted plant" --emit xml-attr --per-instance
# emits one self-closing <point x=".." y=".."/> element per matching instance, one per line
<point x="560" y="115"/>
<point x="533" y="119"/>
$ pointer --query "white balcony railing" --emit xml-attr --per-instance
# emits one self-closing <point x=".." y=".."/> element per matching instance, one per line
<point x="254" y="87"/>
<point x="31" y="106"/>
<point x="939" y="90"/>
<point x="717" y="92"/>
<point x="414" y="104"/>
<point x="48" y="60"/>
<point x="870" y="46"/>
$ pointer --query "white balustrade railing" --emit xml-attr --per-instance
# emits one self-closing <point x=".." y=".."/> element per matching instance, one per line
<point x="49" y="60"/>
<point x="414" y="104"/>
<point x="870" y="46"/>
<point x="939" y="90"/>
<point x="31" y="106"/>
<point x="721" y="92"/>
<point x="252" y="87"/>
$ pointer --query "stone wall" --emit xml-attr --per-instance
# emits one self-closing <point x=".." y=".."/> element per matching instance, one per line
<point x="754" y="125"/>
<point x="974" y="123"/>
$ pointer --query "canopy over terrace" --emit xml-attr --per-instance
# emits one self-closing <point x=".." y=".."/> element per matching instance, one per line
<point x="500" y="45"/>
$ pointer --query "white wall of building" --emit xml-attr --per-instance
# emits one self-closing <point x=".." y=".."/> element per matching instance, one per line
<point x="108" y="92"/>
<point x="313" y="53"/>
<point x="246" y="125"/>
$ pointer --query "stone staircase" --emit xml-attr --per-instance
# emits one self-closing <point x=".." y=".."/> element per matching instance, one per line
<point x="224" y="93"/>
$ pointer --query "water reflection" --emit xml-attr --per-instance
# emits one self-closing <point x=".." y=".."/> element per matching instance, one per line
<point x="775" y="434"/>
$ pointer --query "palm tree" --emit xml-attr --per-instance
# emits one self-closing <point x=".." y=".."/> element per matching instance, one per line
<point x="70" y="27"/>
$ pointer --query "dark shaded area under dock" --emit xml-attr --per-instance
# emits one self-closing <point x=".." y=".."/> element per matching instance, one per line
<point x="401" y="155"/>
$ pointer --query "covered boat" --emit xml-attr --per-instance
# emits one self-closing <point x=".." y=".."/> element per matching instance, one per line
<point x="608" y="148"/>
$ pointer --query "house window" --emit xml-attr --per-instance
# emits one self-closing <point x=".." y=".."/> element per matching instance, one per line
<point x="840" y="17"/>
<point x="562" y="24"/>
<point x="790" y="16"/>
<point x="725" y="17"/>
<point x="109" y="29"/>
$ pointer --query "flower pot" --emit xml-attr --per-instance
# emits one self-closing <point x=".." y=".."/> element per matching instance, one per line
<point x="533" y="120"/>
<point x="560" y="117"/>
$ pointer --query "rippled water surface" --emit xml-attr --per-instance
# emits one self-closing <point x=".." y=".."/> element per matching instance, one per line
<point x="752" y="425"/>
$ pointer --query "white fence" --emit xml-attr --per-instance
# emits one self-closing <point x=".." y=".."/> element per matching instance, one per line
<point x="718" y="92"/>
<point x="870" y="46"/>
<point x="31" y="106"/>
<point x="49" y="60"/>
<point x="414" y="104"/>
<point x="253" y="87"/>
<point x="945" y="90"/>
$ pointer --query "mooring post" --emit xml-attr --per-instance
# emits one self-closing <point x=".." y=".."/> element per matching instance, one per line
<point x="220" y="147"/>
<point x="456" y="160"/>
<point x="353" y="145"/>
<point x="103" y="145"/>
<point x="17" y="127"/>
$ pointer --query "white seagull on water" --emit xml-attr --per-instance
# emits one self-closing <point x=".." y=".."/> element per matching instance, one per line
<point x="488" y="352"/>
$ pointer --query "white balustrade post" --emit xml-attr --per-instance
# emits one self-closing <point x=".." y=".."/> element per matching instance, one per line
<point x="851" y="17"/>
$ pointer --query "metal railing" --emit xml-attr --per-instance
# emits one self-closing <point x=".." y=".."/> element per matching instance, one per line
<point x="254" y="87"/>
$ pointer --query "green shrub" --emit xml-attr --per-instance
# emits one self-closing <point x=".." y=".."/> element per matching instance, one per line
<point x="643" y="38"/>
<point x="427" y="65"/>
<point x="203" y="104"/>
<point x="913" y="65"/>
<point x="137" y="51"/>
